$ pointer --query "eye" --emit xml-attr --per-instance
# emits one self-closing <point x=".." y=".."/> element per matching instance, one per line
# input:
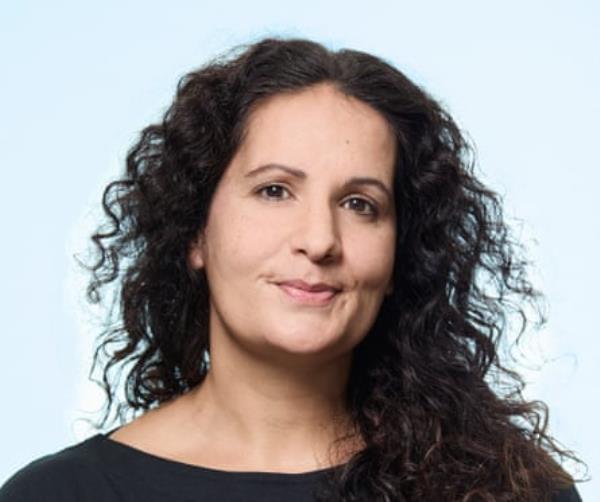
<point x="362" y="206"/>
<point x="272" y="191"/>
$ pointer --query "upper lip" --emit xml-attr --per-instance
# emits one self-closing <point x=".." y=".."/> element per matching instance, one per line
<point x="306" y="286"/>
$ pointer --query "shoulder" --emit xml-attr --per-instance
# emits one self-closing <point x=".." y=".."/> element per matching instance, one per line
<point x="68" y="475"/>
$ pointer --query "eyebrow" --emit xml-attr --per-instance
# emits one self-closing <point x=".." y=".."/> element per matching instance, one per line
<point x="298" y="173"/>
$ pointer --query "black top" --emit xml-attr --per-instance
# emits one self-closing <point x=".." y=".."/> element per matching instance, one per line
<point x="102" y="470"/>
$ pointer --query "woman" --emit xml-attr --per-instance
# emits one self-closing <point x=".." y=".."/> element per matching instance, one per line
<point x="313" y="286"/>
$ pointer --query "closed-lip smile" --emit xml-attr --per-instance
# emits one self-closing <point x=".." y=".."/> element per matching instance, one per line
<point x="317" y="294"/>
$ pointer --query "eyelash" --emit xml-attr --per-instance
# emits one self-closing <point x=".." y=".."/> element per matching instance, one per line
<point x="373" y="211"/>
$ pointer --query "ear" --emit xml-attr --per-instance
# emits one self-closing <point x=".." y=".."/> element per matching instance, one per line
<point x="195" y="256"/>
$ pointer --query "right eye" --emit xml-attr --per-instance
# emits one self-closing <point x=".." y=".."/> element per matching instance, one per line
<point x="272" y="192"/>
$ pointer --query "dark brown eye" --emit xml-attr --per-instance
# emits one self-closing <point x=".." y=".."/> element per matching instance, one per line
<point x="362" y="206"/>
<point x="272" y="191"/>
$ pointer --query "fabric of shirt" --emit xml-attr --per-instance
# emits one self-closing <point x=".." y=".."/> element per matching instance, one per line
<point x="100" y="469"/>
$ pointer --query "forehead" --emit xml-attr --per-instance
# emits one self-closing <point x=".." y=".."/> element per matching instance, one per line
<point x="319" y="127"/>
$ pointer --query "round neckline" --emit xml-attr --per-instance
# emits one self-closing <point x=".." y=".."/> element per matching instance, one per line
<point x="183" y="468"/>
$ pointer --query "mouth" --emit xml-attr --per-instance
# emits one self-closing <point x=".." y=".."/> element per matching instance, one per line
<point x="320" y="297"/>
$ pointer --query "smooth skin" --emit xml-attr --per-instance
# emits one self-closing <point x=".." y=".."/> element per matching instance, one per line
<point x="273" y="398"/>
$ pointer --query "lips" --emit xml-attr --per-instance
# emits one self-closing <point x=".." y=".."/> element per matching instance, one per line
<point x="305" y="286"/>
<point x="312" y="294"/>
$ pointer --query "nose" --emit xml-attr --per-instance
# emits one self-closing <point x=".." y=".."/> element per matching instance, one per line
<point x="317" y="234"/>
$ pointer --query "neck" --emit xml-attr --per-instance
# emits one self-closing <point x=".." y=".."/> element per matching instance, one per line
<point x="276" y="414"/>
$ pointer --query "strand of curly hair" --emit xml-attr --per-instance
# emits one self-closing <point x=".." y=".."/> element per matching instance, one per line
<point x="441" y="414"/>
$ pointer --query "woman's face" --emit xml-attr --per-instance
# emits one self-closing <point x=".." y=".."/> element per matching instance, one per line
<point x="299" y="244"/>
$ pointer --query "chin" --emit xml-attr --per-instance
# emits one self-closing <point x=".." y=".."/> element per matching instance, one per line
<point x="304" y="342"/>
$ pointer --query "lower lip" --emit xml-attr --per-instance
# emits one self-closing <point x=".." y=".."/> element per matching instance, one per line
<point x="316" y="298"/>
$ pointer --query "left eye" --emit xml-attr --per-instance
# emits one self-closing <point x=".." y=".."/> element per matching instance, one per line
<point x="362" y="206"/>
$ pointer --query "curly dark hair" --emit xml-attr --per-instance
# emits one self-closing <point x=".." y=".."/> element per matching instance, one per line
<point x="441" y="412"/>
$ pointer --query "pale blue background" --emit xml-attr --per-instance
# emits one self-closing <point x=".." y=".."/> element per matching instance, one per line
<point x="80" y="79"/>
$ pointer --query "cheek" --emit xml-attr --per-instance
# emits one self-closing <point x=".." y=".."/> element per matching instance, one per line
<point x="240" y="242"/>
<point x="372" y="259"/>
